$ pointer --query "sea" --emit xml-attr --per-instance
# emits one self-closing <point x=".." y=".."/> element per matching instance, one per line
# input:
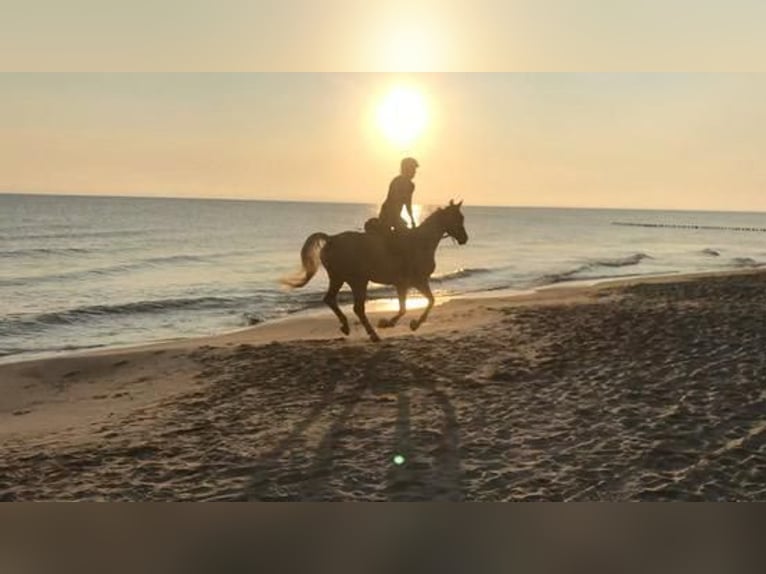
<point x="83" y="272"/>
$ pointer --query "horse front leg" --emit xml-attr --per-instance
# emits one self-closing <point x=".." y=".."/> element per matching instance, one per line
<point x="425" y="289"/>
<point x="401" y="291"/>
<point x="359" y="289"/>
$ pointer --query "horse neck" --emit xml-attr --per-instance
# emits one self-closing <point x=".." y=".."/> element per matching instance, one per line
<point x="430" y="232"/>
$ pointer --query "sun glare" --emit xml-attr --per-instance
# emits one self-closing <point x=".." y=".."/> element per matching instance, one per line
<point x="414" y="302"/>
<point x="402" y="116"/>
<point x="417" y="213"/>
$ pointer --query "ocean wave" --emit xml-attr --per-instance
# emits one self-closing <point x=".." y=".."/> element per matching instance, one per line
<point x="18" y="324"/>
<point x="746" y="262"/>
<point x="460" y="274"/>
<point x="172" y="259"/>
<point x="634" y="259"/>
<point x="104" y="271"/>
<point x="69" y="234"/>
<point x="42" y="251"/>
<point x="573" y="274"/>
<point x="9" y="351"/>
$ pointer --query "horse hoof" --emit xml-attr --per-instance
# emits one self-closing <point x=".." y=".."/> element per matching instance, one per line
<point x="374" y="338"/>
<point x="414" y="324"/>
<point x="344" y="329"/>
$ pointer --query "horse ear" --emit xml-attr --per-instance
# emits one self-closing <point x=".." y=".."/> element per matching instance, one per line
<point x="452" y="202"/>
<point x="460" y="204"/>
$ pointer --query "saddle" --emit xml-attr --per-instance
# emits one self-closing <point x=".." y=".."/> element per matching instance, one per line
<point x="396" y="241"/>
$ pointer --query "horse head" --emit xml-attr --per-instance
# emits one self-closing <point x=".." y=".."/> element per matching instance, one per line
<point x="452" y="221"/>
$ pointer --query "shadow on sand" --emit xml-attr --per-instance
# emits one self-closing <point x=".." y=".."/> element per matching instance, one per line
<point x="353" y="419"/>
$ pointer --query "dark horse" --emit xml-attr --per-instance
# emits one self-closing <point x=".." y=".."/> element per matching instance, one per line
<point x="358" y="258"/>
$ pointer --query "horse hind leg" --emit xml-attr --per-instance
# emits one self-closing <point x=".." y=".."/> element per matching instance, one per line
<point x="331" y="300"/>
<point x="360" y="297"/>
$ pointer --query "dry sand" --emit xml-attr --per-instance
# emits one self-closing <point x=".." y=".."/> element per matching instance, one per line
<point x="647" y="390"/>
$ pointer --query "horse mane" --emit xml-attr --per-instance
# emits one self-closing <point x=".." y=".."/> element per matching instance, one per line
<point x="432" y="215"/>
<point x="437" y="212"/>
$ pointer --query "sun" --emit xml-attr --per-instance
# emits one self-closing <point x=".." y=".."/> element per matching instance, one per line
<point x="402" y="117"/>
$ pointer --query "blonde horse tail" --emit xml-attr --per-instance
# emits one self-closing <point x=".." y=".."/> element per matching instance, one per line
<point x="309" y="260"/>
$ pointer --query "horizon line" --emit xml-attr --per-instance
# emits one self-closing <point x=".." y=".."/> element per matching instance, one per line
<point x="337" y="202"/>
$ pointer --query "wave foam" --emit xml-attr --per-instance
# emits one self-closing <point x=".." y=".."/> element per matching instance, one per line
<point x="627" y="261"/>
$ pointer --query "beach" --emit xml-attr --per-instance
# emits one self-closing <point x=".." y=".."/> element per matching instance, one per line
<point x="639" y="389"/>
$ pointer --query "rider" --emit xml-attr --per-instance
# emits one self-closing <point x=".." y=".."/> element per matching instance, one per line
<point x="400" y="192"/>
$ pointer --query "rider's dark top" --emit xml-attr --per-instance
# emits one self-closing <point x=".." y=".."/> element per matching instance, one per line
<point x="399" y="194"/>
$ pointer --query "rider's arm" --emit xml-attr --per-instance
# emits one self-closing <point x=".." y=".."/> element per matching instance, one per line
<point x="408" y="204"/>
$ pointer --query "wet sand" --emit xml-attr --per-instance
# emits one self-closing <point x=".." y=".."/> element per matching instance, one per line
<point x="642" y="390"/>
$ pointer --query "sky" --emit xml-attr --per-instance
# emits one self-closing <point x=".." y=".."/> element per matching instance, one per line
<point x="597" y="103"/>
<point x="636" y="140"/>
<point x="395" y="35"/>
